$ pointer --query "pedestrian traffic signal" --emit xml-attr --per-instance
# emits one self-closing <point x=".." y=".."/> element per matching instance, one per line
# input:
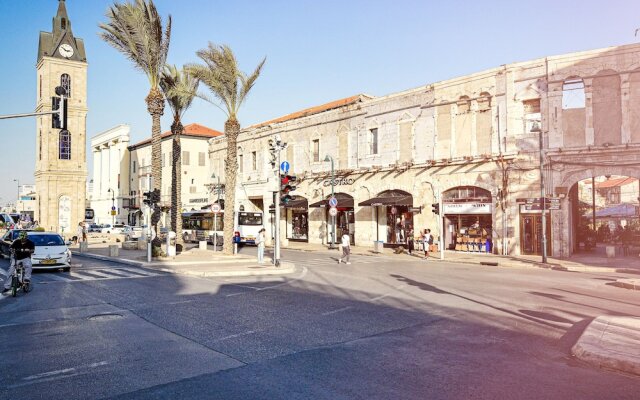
<point x="286" y="187"/>
<point x="435" y="208"/>
<point x="147" y="198"/>
<point x="155" y="196"/>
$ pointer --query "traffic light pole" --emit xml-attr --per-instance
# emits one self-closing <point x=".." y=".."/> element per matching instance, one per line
<point x="276" y="246"/>
<point x="442" y="233"/>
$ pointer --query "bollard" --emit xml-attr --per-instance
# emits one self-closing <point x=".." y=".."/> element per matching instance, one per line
<point x="84" y="247"/>
<point x="202" y="245"/>
<point x="114" y="250"/>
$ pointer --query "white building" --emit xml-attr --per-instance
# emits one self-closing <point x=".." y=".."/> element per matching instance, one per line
<point x="110" y="174"/>
<point x="26" y="203"/>
<point x="196" y="171"/>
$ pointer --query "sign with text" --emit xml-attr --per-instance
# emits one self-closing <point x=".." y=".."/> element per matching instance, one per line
<point x="466" y="208"/>
<point x="338" y="182"/>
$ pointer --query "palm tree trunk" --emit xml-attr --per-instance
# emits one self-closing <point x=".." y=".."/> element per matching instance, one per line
<point x="231" y="131"/>
<point x="176" y="183"/>
<point x="155" y="107"/>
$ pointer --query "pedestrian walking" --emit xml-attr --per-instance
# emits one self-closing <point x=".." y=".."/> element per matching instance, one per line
<point x="85" y="231"/>
<point x="427" y="240"/>
<point x="261" y="242"/>
<point x="410" y="238"/>
<point x="346" y="247"/>
<point x="79" y="233"/>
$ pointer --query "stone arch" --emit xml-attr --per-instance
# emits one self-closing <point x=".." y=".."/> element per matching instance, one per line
<point x="606" y="104"/>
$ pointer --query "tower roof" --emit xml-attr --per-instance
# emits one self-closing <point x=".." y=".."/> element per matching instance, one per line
<point x="61" y="34"/>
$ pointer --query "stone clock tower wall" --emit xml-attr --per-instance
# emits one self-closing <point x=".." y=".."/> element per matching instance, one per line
<point x="61" y="166"/>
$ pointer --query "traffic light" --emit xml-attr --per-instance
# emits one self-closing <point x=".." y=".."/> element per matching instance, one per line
<point x="59" y="104"/>
<point x="155" y="196"/>
<point x="435" y="208"/>
<point x="147" y="198"/>
<point x="286" y="187"/>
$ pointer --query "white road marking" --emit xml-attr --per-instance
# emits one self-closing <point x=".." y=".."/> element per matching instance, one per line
<point x="336" y="311"/>
<point x="235" y="336"/>
<point x="387" y="294"/>
<point x="56" y="374"/>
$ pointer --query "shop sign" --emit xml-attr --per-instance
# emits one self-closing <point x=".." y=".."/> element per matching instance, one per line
<point x="203" y="200"/>
<point x="467" y="208"/>
<point x="338" y="182"/>
<point x="415" y="210"/>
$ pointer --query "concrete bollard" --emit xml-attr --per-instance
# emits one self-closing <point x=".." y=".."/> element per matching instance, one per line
<point x="202" y="245"/>
<point x="84" y="247"/>
<point x="171" y="251"/>
<point x="114" y="251"/>
<point x="142" y="244"/>
<point x="611" y="251"/>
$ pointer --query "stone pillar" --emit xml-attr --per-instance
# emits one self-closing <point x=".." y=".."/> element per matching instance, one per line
<point x="588" y="111"/>
<point x="625" y="87"/>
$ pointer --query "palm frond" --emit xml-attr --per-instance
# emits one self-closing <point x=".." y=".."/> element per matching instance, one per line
<point x="179" y="88"/>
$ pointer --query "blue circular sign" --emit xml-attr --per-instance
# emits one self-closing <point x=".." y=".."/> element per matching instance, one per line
<point x="113" y="208"/>
<point x="284" y="166"/>
<point x="333" y="202"/>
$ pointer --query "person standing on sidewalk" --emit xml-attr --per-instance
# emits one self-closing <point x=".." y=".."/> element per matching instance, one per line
<point x="427" y="240"/>
<point x="409" y="239"/>
<point x="79" y="233"/>
<point x="346" y="247"/>
<point x="261" y="241"/>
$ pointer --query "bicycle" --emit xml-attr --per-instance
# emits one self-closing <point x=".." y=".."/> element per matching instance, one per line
<point x="17" y="278"/>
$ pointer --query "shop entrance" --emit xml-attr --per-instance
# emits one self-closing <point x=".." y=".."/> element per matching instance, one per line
<point x="297" y="219"/>
<point x="344" y="220"/>
<point x="468" y="219"/>
<point x="531" y="234"/>
<point x="398" y="217"/>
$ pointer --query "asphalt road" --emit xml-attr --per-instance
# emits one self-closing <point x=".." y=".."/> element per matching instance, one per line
<point x="379" y="328"/>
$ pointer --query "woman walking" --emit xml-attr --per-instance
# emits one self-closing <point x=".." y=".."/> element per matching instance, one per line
<point x="346" y="247"/>
<point x="260" y="241"/>
<point x="426" y="241"/>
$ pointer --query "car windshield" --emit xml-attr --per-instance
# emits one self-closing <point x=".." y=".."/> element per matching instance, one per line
<point x="47" y="240"/>
<point x="15" y="234"/>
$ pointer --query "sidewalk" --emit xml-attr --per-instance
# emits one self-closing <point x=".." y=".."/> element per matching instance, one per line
<point x="581" y="262"/>
<point x="193" y="261"/>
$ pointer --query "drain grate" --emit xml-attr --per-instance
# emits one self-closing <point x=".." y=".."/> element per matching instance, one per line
<point x="105" y="317"/>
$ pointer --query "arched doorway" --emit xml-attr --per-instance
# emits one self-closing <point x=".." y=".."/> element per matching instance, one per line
<point x="344" y="219"/>
<point x="297" y="217"/>
<point x="468" y="219"/>
<point x="393" y="211"/>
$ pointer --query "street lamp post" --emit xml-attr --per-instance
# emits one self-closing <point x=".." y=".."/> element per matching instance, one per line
<point x="536" y="129"/>
<point x="113" y="206"/>
<point x="328" y="158"/>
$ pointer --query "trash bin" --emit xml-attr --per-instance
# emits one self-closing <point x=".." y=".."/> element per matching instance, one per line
<point x="378" y="246"/>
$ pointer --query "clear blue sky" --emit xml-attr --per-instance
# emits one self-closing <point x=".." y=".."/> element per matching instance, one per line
<point x="317" y="51"/>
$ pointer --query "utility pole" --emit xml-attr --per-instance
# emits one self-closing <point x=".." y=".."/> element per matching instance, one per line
<point x="276" y="146"/>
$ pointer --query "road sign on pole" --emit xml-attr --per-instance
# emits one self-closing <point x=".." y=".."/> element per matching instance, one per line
<point x="333" y="202"/>
<point x="284" y="166"/>
<point x="333" y="211"/>
<point x="215" y="208"/>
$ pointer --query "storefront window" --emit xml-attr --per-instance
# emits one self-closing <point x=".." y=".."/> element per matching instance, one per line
<point x="300" y="225"/>
<point x="468" y="219"/>
<point x="399" y="223"/>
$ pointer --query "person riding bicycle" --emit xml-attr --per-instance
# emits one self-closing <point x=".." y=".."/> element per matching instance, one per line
<point x="21" y="248"/>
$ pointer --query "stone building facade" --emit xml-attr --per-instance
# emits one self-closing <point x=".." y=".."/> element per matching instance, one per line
<point x="470" y="145"/>
<point x="61" y="167"/>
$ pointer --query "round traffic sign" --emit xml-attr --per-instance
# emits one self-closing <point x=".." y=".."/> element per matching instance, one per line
<point x="333" y="202"/>
<point x="333" y="211"/>
<point x="284" y="166"/>
<point x="113" y="208"/>
<point x="215" y="208"/>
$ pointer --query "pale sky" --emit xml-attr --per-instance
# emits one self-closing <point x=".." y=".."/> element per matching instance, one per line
<point x="317" y="51"/>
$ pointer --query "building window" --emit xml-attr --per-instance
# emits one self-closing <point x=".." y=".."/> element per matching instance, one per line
<point x="573" y="94"/>
<point x="373" y="141"/>
<point x="40" y="146"/>
<point x="185" y="158"/>
<point x="532" y="116"/>
<point x="254" y="160"/>
<point x="134" y="167"/>
<point x="40" y="95"/>
<point x="65" y="82"/>
<point x="64" y="145"/>
<point x="240" y="162"/>
<point x="316" y="150"/>
<point x="201" y="156"/>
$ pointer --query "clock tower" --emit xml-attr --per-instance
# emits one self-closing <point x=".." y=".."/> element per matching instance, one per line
<point x="61" y="166"/>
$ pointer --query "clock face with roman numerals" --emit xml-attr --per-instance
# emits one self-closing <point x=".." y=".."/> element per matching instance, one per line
<point x="66" y="50"/>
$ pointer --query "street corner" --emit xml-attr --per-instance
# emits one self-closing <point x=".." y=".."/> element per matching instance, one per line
<point x="611" y="343"/>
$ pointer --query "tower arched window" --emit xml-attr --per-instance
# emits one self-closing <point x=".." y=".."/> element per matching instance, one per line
<point x="65" y="82"/>
<point x="63" y="23"/>
<point x="64" y="145"/>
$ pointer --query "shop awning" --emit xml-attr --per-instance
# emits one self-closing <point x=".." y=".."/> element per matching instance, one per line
<point x="297" y="203"/>
<point x="390" y="199"/>
<point x="344" y="201"/>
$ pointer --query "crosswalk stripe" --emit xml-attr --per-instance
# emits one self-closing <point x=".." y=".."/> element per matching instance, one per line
<point x="93" y="274"/>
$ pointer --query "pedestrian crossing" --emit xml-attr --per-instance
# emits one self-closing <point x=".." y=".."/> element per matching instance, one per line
<point x="354" y="259"/>
<point x="92" y="274"/>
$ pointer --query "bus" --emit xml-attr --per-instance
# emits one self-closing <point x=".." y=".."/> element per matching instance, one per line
<point x="205" y="225"/>
<point x="89" y="215"/>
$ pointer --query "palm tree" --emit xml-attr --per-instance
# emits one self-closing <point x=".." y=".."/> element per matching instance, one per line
<point x="230" y="86"/>
<point x="179" y="87"/>
<point x="135" y="30"/>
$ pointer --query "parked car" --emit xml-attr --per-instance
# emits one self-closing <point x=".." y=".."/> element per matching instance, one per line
<point x="132" y="232"/>
<point x="95" y="228"/>
<point x="51" y="251"/>
<point x="6" y="219"/>
<point x="7" y="239"/>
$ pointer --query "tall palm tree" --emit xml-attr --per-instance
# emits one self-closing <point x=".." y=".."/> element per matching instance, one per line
<point x="179" y="87"/>
<point x="229" y="86"/>
<point x="135" y="30"/>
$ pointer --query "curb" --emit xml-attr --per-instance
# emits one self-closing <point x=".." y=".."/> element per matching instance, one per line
<point x="632" y="284"/>
<point x="595" y="344"/>
<point x="287" y="267"/>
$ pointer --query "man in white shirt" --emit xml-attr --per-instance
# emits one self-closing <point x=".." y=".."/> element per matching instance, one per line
<point x="346" y="247"/>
